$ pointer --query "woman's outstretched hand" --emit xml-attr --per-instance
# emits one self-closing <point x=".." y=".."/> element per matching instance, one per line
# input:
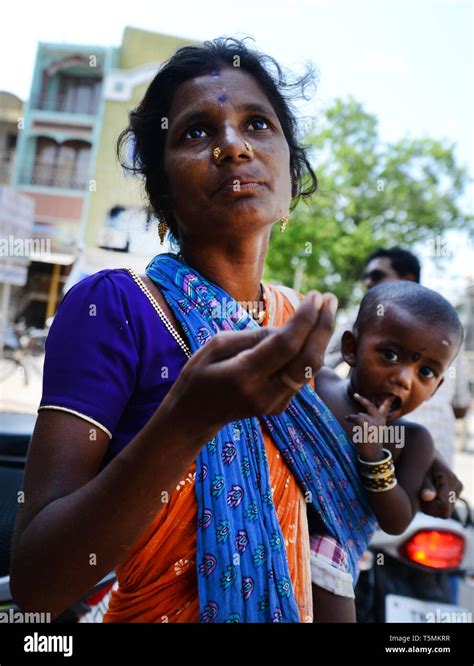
<point x="240" y="374"/>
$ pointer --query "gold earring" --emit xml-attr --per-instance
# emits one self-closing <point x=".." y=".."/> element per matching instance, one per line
<point x="162" y="226"/>
<point x="248" y="146"/>
<point x="284" y="222"/>
<point x="216" y="152"/>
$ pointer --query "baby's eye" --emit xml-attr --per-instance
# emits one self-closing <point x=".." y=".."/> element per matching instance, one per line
<point x="259" y="122"/>
<point x="193" y="133"/>
<point x="427" y="372"/>
<point x="390" y="355"/>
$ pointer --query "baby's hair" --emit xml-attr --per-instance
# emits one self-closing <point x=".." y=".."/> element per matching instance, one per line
<point x="425" y="304"/>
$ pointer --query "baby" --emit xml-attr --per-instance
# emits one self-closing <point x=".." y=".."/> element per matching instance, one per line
<point x="404" y="339"/>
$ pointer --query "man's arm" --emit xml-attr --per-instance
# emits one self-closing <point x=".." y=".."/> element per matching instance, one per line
<point x="440" y="489"/>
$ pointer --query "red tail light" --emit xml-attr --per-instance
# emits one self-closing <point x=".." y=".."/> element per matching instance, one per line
<point x="435" y="549"/>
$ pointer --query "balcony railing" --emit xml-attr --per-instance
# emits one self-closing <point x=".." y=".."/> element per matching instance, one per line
<point x="68" y="104"/>
<point x="56" y="176"/>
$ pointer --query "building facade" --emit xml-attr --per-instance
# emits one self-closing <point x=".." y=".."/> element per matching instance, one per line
<point x="116" y="216"/>
<point x="61" y="126"/>
<point x="65" y="161"/>
<point x="11" y="113"/>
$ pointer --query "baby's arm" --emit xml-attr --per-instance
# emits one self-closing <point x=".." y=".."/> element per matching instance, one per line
<point x="414" y="462"/>
<point x="395" y="508"/>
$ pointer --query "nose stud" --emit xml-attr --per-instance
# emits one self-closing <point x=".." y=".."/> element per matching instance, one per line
<point x="217" y="151"/>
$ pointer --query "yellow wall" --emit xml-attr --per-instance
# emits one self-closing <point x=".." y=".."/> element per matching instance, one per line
<point x="141" y="46"/>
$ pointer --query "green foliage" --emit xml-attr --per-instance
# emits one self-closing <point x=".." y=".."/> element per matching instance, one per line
<point x="370" y="194"/>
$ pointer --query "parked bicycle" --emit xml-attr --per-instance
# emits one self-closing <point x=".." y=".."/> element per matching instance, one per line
<point x="23" y="350"/>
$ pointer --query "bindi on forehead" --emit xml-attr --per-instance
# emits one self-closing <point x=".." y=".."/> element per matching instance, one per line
<point x="222" y="98"/>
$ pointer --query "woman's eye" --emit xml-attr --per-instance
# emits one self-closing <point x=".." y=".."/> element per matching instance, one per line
<point x="390" y="355"/>
<point x="194" y="133"/>
<point x="259" y="124"/>
<point x="427" y="372"/>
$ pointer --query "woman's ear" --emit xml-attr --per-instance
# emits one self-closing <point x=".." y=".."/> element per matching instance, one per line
<point x="349" y="348"/>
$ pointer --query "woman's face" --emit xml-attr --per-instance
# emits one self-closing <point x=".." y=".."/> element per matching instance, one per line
<point x="242" y="191"/>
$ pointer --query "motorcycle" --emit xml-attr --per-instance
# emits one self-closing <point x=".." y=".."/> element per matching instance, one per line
<point x="409" y="577"/>
<point x="15" y="435"/>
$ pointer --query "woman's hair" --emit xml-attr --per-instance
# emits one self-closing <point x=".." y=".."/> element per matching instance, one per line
<point x="148" y="122"/>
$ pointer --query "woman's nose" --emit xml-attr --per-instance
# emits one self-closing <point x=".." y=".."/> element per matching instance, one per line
<point x="233" y="146"/>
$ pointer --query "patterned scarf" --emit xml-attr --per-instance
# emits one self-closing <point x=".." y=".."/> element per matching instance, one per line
<point x="243" y="573"/>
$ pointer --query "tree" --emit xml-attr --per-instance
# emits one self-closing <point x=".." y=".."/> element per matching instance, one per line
<point x="370" y="194"/>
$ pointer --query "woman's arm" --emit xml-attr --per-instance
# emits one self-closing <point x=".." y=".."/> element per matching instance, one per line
<point x="75" y="524"/>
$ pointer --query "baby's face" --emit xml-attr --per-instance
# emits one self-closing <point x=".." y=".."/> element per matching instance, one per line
<point x="398" y="355"/>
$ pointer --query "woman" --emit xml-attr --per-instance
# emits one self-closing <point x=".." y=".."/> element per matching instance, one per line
<point x="169" y="443"/>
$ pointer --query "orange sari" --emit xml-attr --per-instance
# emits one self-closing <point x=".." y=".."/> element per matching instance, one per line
<point x="158" y="578"/>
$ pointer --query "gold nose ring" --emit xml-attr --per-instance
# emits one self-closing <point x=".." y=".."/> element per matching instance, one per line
<point x="216" y="152"/>
<point x="248" y="146"/>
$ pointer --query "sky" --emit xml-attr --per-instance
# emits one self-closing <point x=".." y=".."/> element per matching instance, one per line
<point x="410" y="62"/>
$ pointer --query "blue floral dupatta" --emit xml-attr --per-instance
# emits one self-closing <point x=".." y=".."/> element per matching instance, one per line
<point x="242" y="568"/>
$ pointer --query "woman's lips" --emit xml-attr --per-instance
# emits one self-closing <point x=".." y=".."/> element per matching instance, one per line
<point x="236" y="183"/>
<point x="240" y="188"/>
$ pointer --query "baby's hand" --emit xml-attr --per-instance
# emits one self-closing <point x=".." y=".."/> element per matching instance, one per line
<point x="367" y="432"/>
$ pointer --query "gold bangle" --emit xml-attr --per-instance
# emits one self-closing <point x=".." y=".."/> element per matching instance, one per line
<point x="378" y="483"/>
<point x="384" y="461"/>
<point x="382" y="475"/>
<point x="382" y="490"/>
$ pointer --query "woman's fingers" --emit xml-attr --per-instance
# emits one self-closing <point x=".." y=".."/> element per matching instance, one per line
<point x="246" y="365"/>
<point x="302" y="368"/>
<point x="228" y="344"/>
<point x="277" y="350"/>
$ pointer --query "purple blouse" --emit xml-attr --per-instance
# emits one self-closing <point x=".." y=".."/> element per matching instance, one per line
<point x="109" y="357"/>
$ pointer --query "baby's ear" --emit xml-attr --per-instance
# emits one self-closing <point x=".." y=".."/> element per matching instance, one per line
<point x="442" y="380"/>
<point x="349" y="348"/>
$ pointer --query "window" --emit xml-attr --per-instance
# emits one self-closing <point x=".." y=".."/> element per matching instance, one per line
<point x="77" y="94"/>
<point x="63" y="165"/>
<point x="11" y="142"/>
<point x="70" y="94"/>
